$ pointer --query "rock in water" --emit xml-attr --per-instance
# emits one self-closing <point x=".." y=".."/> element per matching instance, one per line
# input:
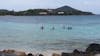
<point x="65" y="54"/>
<point x="93" y="48"/>
<point x="30" y="54"/>
<point x="76" y="51"/>
<point x="40" y="55"/>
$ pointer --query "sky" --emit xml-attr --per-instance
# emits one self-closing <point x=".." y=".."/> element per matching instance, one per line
<point x="84" y="5"/>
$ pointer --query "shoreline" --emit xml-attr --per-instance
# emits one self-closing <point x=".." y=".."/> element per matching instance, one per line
<point x="49" y="15"/>
<point x="92" y="50"/>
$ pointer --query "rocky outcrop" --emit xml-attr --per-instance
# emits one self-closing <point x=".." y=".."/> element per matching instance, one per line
<point x="41" y="55"/>
<point x="74" y="53"/>
<point x="30" y="54"/>
<point x="7" y="54"/>
<point x="54" y="54"/>
<point x="92" y="50"/>
<point x="13" y="52"/>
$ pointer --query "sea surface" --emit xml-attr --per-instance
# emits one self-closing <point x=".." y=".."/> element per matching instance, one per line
<point x="25" y="33"/>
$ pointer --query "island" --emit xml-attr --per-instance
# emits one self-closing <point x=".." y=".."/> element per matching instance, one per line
<point x="64" y="10"/>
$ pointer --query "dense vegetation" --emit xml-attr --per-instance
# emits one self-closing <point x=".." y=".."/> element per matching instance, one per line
<point x="65" y="10"/>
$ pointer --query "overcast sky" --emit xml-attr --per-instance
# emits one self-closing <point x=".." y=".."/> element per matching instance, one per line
<point x="84" y="5"/>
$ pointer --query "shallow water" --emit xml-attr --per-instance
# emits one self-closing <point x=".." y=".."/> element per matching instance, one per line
<point x="24" y="32"/>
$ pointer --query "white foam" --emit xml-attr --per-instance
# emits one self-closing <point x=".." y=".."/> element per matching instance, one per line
<point x="36" y="52"/>
<point x="45" y="53"/>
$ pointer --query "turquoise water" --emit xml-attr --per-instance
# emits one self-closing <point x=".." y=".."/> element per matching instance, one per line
<point x="24" y="32"/>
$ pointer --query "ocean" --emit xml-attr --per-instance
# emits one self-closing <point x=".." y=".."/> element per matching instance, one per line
<point x="25" y="32"/>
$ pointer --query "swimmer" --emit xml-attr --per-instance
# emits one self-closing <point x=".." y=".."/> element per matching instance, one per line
<point x="69" y="28"/>
<point x="53" y="28"/>
<point x="42" y="27"/>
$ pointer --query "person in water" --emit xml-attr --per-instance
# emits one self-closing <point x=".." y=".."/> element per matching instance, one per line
<point x="42" y="27"/>
<point x="53" y="28"/>
<point x="69" y="28"/>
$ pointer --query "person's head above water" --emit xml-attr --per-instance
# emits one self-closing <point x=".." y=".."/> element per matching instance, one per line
<point x="53" y="28"/>
<point x="69" y="28"/>
<point x="42" y="27"/>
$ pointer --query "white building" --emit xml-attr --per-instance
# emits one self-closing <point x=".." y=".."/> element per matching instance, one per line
<point x="43" y="13"/>
<point x="50" y="10"/>
<point x="60" y="12"/>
